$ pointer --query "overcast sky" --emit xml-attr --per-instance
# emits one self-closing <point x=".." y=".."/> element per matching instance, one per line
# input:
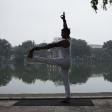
<point x="39" y="20"/>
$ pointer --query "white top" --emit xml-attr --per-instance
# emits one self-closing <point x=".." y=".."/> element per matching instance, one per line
<point x="64" y="52"/>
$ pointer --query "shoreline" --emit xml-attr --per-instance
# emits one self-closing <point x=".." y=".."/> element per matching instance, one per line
<point x="97" y="95"/>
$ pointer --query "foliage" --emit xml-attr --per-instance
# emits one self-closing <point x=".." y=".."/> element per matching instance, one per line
<point x="79" y="48"/>
<point x="108" y="45"/>
<point x="104" y="53"/>
<point x="107" y="50"/>
<point x="5" y="49"/>
<point x="95" y="3"/>
<point x="22" y="50"/>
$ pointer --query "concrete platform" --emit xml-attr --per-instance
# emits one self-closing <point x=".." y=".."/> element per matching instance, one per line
<point x="102" y="103"/>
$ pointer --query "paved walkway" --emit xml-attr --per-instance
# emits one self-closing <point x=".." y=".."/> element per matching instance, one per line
<point x="102" y="103"/>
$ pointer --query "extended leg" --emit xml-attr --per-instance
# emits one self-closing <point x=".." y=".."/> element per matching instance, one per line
<point x="53" y="61"/>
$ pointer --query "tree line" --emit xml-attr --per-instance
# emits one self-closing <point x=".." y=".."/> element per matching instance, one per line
<point x="79" y="50"/>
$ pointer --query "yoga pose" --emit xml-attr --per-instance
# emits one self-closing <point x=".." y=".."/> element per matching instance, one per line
<point x="64" y="59"/>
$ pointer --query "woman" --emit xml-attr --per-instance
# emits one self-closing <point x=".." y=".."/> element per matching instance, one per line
<point x="63" y="61"/>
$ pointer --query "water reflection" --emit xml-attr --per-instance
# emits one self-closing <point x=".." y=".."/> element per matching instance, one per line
<point x="30" y="73"/>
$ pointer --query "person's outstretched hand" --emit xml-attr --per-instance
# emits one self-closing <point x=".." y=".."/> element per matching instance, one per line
<point x="63" y="16"/>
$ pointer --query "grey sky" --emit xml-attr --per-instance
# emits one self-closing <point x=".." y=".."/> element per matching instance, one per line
<point x="39" y="20"/>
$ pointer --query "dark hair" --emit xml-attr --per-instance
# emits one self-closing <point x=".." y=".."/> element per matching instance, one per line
<point x="65" y="32"/>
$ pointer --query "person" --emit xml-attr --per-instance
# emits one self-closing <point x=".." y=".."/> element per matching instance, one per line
<point x="64" y="61"/>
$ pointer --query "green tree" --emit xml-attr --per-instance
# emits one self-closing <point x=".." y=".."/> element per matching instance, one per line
<point x="79" y="48"/>
<point x="95" y="3"/>
<point x="108" y="45"/>
<point x="5" y="49"/>
<point x="107" y="50"/>
<point x="97" y="53"/>
<point x="27" y="45"/>
<point x="22" y="50"/>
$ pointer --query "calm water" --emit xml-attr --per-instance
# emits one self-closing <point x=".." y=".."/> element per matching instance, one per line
<point x="42" y="78"/>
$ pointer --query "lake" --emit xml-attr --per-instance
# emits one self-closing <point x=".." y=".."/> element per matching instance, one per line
<point x="42" y="78"/>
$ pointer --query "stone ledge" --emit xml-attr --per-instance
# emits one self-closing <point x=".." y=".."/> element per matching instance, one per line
<point x="102" y="95"/>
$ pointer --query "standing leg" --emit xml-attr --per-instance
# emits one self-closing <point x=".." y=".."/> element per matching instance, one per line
<point x="65" y="76"/>
<point x="64" y="64"/>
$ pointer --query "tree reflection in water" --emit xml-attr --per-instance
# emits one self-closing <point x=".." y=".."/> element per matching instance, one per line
<point x="5" y="75"/>
<point x="30" y="73"/>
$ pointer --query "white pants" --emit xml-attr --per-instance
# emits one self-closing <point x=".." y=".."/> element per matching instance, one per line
<point x="64" y="63"/>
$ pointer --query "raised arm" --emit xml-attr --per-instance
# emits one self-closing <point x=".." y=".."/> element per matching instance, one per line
<point x="63" y="43"/>
<point x="64" y="20"/>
